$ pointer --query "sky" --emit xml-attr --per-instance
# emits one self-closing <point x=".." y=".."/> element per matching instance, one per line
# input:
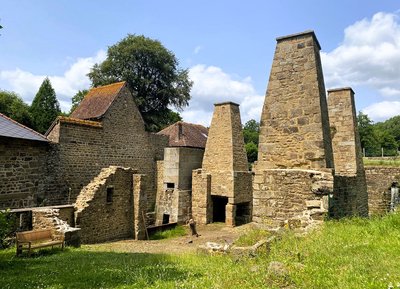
<point x="227" y="46"/>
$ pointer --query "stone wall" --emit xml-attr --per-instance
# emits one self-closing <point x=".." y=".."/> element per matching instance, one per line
<point x="379" y="182"/>
<point x="350" y="189"/>
<point x="291" y="196"/>
<point x="104" y="208"/>
<point x="23" y="172"/>
<point x="201" y="197"/>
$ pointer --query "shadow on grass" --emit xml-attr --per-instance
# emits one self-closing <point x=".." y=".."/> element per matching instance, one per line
<point x="77" y="268"/>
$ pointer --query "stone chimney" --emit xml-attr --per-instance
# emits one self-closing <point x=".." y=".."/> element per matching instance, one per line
<point x="294" y="130"/>
<point x="225" y="144"/>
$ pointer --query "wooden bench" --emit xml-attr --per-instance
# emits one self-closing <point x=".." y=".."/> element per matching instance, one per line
<point x="31" y="240"/>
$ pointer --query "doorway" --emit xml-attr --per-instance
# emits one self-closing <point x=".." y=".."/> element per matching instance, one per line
<point x="219" y="208"/>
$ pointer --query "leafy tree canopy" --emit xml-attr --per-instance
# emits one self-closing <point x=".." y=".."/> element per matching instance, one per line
<point x="45" y="107"/>
<point x="14" y="107"/>
<point x="251" y="131"/>
<point x="152" y="73"/>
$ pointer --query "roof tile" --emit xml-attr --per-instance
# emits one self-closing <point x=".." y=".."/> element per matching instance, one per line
<point x="183" y="134"/>
<point x="97" y="101"/>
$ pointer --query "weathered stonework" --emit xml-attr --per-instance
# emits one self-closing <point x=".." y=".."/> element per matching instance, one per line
<point x="23" y="172"/>
<point x="174" y="192"/>
<point x="293" y="174"/>
<point x="350" y="195"/>
<point x="118" y="137"/>
<point x="291" y="196"/>
<point x="140" y="183"/>
<point x="104" y="208"/>
<point x="379" y="182"/>
<point x="294" y="128"/>
<point x="225" y="161"/>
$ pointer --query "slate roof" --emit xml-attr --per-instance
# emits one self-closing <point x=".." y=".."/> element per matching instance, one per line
<point x="97" y="101"/>
<point x="191" y="135"/>
<point x="13" y="129"/>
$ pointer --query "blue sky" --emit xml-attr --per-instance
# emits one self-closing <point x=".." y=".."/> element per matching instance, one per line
<point x="228" y="46"/>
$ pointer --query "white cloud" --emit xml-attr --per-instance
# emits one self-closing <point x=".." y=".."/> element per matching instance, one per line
<point x="212" y="85"/>
<point x="382" y="110"/>
<point x="27" y="84"/>
<point x="369" y="55"/>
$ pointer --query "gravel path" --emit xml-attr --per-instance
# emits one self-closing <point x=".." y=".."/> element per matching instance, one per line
<point x="217" y="232"/>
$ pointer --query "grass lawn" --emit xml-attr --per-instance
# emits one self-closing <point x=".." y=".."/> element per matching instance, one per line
<point x="353" y="253"/>
<point x="395" y="162"/>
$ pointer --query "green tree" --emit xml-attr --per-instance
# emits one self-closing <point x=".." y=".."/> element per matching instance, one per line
<point x="152" y="74"/>
<point x="45" y="107"/>
<point x="14" y="107"/>
<point x="77" y="98"/>
<point x="387" y="142"/>
<point x="251" y="132"/>
<point x="368" y="135"/>
<point x="392" y="126"/>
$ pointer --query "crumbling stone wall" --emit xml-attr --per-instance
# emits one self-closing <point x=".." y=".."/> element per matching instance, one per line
<point x="350" y="195"/>
<point x="291" y="197"/>
<point x="102" y="217"/>
<point x="293" y="174"/>
<point x="379" y="182"/>
<point x="23" y="172"/>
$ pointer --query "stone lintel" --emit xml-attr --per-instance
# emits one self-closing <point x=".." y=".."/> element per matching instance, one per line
<point x="298" y="35"/>
<point x="226" y="103"/>
<point x="341" y="89"/>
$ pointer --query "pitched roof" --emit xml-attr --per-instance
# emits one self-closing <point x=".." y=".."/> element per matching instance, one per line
<point x="97" y="101"/>
<point x="11" y="128"/>
<point x="183" y="134"/>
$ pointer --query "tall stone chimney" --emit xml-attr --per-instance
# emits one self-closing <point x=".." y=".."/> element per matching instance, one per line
<point x="294" y="131"/>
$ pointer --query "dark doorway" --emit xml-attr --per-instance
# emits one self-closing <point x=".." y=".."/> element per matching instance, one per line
<point x="242" y="214"/>
<point x="165" y="219"/>
<point x="219" y="206"/>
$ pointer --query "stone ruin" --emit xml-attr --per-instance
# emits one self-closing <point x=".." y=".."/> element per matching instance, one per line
<point x="103" y="175"/>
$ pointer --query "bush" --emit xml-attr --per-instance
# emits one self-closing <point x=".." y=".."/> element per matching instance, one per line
<point x="7" y="222"/>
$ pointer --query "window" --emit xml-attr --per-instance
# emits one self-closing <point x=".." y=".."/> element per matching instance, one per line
<point x="170" y="185"/>
<point x="110" y="193"/>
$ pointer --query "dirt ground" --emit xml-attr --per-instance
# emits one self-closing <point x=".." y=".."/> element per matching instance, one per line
<point x="216" y="232"/>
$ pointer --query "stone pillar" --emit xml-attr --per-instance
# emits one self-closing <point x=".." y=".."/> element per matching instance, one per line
<point x="201" y="197"/>
<point x="350" y="189"/>
<point x="139" y="206"/>
<point x="230" y="213"/>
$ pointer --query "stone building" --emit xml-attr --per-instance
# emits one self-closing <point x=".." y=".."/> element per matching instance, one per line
<point x="221" y="189"/>
<point x="23" y="170"/>
<point x="106" y="129"/>
<point x="293" y="174"/>
<point x="350" y="195"/>
<point x="184" y="154"/>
